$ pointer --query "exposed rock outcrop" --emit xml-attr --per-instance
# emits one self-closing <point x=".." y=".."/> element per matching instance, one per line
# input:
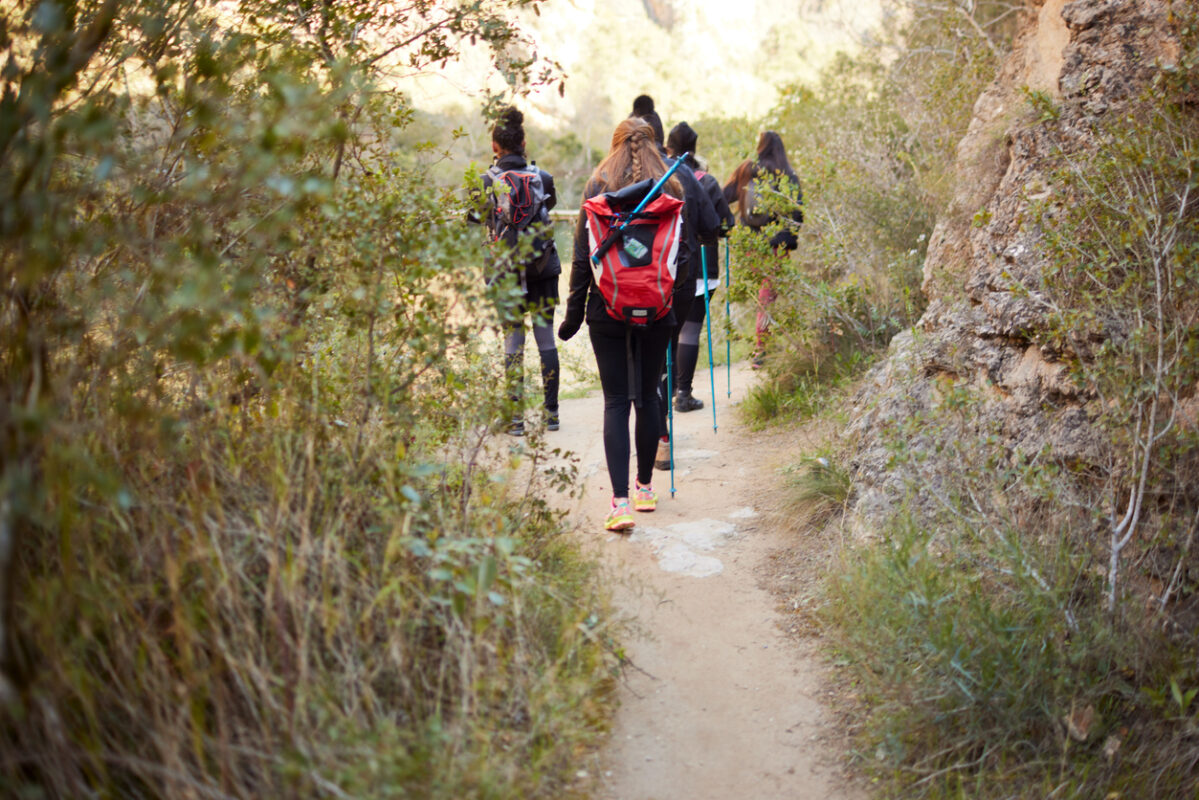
<point x="1090" y="57"/>
<point x="660" y="12"/>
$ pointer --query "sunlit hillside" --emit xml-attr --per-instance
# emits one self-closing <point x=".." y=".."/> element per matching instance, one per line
<point x="696" y="58"/>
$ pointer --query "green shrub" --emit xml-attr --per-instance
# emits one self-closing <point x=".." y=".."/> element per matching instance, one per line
<point x="1120" y="294"/>
<point x="976" y="632"/>
<point x="818" y="487"/>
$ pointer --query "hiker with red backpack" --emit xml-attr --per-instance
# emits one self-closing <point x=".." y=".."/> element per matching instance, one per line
<point x="699" y="220"/>
<point x="622" y="277"/>
<point x="754" y="179"/>
<point x="518" y="197"/>
<point x="683" y="140"/>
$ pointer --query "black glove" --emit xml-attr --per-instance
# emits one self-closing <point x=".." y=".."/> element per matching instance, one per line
<point x="568" y="328"/>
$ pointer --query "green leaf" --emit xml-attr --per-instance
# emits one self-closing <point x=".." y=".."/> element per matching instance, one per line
<point x="488" y="570"/>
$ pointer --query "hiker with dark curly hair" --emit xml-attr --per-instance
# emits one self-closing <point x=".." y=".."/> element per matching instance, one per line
<point x="769" y="173"/>
<point x="518" y="197"/>
<point x="627" y="358"/>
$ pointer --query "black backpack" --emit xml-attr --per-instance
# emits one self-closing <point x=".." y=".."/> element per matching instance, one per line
<point x="517" y="198"/>
<point x="754" y="214"/>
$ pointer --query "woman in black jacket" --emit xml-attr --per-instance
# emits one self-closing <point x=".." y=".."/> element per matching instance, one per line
<point x="700" y="222"/>
<point x="683" y="139"/>
<point x="633" y="157"/>
<point x="539" y="283"/>
<point x="772" y="171"/>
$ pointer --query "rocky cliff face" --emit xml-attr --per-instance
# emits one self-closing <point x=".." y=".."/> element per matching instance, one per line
<point x="1089" y="56"/>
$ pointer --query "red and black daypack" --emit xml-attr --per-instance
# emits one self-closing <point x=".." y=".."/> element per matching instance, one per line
<point x="633" y="236"/>
<point x="634" y="259"/>
<point x="518" y="212"/>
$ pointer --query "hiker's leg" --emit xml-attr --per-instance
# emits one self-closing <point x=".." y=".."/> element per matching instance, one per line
<point x="514" y="350"/>
<point x="781" y="244"/>
<point x="653" y="353"/>
<point x="683" y="299"/>
<point x="612" y="363"/>
<point x="544" y="335"/>
<point x="766" y="296"/>
<point x="543" y="295"/>
<point x="688" y="350"/>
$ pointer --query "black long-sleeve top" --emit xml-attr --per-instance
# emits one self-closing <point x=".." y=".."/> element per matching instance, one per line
<point x="700" y="222"/>
<point x="724" y="215"/>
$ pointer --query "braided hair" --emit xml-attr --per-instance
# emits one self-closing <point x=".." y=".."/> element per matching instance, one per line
<point x="632" y="157"/>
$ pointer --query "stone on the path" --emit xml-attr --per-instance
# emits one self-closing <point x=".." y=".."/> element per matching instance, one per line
<point x="679" y="546"/>
<point x="681" y="559"/>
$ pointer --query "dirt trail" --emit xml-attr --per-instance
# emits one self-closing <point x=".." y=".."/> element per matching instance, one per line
<point x="721" y="704"/>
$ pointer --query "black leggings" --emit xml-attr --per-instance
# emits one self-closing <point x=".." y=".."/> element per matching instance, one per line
<point x="683" y="303"/>
<point x="687" y="349"/>
<point x="611" y="358"/>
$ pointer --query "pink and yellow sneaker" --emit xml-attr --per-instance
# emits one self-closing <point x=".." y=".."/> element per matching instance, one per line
<point x="644" y="498"/>
<point x="620" y="518"/>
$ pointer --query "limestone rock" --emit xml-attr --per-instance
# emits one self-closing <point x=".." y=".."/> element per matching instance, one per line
<point x="985" y="256"/>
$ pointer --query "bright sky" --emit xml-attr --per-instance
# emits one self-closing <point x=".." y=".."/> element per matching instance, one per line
<point x="720" y="57"/>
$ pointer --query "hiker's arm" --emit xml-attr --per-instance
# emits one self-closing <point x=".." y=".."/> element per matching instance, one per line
<point x="735" y="188"/>
<point x="721" y="204"/>
<point x="580" y="282"/>
<point x="797" y="214"/>
<point x="476" y="201"/>
<point x="730" y="192"/>
<point x="708" y="221"/>
<point x="551" y="194"/>
<point x="732" y="189"/>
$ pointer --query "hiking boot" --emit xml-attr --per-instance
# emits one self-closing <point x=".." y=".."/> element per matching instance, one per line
<point x="552" y="423"/>
<point x="663" y="459"/>
<point x="517" y="427"/>
<point x="644" y="498"/>
<point x="685" y="401"/>
<point x="620" y="518"/>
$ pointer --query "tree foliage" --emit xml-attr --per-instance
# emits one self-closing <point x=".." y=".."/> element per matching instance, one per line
<point x="249" y="546"/>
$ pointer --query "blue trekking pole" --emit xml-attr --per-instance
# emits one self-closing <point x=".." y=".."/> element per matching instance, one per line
<point x="703" y="260"/>
<point x="670" y="410"/>
<point x="614" y="233"/>
<point x="728" y="324"/>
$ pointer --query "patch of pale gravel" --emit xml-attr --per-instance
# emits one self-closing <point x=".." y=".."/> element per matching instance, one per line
<point x="678" y="547"/>
<point x="682" y="560"/>
<point x="688" y="454"/>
